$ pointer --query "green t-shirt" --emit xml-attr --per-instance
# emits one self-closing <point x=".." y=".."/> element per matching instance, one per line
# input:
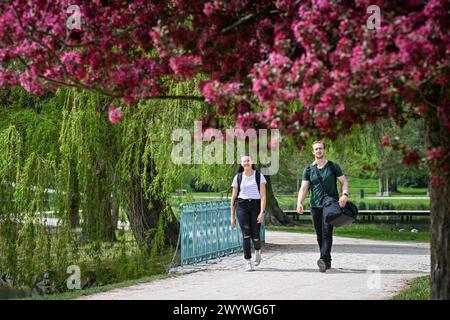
<point x="329" y="182"/>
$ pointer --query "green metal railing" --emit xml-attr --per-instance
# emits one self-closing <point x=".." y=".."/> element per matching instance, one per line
<point x="206" y="232"/>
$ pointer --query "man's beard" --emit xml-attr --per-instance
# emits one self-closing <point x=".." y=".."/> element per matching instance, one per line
<point x="319" y="157"/>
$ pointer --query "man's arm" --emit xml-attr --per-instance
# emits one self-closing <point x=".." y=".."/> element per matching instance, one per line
<point x="343" y="199"/>
<point x="302" y="195"/>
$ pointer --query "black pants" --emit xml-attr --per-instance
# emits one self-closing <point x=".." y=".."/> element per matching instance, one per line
<point x="247" y="214"/>
<point x="324" y="232"/>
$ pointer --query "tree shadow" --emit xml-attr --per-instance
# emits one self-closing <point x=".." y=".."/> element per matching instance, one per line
<point x="352" y="248"/>
<point x="343" y="270"/>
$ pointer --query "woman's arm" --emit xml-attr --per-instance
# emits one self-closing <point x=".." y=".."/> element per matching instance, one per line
<point x="262" y="190"/>
<point x="263" y="197"/>
<point x="233" y="207"/>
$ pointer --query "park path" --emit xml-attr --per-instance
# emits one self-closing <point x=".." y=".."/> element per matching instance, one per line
<point x="289" y="271"/>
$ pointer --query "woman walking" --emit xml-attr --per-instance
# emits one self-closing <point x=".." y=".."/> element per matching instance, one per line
<point x="249" y="195"/>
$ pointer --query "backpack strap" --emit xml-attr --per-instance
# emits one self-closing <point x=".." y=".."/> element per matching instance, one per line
<point x="258" y="180"/>
<point x="239" y="180"/>
<point x="333" y="170"/>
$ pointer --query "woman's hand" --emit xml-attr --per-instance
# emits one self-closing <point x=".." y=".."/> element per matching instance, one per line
<point x="260" y="218"/>
<point x="233" y="221"/>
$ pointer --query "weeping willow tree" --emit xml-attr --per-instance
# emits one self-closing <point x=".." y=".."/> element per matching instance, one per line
<point x="147" y="175"/>
<point x="60" y="188"/>
<point x="66" y="172"/>
<point x="28" y="169"/>
<point x="88" y="156"/>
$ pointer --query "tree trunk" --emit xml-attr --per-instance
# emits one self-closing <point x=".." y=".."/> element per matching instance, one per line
<point x="387" y="190"/>
<point x="114" y="212"/>
<point x="98" y="219"/>
<point x="276" y="216"/>
<point x="114" y="201"/>
<point x="393" y="183"/>
<point x="437" y="135"/>
<point x="145" y="213"/>
<point x="74" y="196"/>
<point x="381" y="185"/>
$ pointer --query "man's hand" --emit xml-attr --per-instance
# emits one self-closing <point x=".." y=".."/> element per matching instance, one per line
<point x="233" y="221"/>
<point x="299" y="208"/>
<point x="343" y="201"/>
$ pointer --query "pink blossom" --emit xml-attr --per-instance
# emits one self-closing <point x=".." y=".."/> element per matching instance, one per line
<point x="274" y="143"/>
<point x="314" y="59"/>
<point x="340" y="109"/>
<point x="208" y="9"/>
<point x="437" y="181"/>
<point x="184" y="65"/>
<point x="115" y="114"/>
<point x="437" y="153"/>
<point x="385" y="140"/>
<point x="411" y="158"/>
<point x="211" y="133"/>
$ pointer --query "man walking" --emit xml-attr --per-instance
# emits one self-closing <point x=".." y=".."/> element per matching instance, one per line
<point x="329" y="172"/>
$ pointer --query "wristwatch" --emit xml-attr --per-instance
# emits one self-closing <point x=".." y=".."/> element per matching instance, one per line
<point x="345" y="194"/>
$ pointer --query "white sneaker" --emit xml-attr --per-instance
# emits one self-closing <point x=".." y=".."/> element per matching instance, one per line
<point x="249" y="266"/>
<point x="258" y="257"/>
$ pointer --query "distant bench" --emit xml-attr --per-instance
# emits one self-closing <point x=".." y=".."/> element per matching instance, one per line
<point x="371" y="214"/>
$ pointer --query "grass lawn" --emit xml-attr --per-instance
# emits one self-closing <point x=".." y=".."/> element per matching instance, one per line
<point x="364" y="231"/>
<point x="290" y="203"/>
<point x="370" y="187"/>
<point x="79" y="293"/>
<point x="417" y="289"/>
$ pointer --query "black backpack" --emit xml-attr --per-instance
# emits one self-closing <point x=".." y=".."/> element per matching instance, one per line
<point x="239" y="180"/>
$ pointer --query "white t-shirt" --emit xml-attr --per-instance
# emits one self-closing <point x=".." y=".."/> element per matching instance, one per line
<point x="249" y="188"/>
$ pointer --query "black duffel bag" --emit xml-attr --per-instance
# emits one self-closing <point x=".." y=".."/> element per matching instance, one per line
<point x="332" y="212"/>
<point x="337" y="216"/>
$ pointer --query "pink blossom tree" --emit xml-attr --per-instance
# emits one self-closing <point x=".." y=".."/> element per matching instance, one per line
<point x="310" y="68"/>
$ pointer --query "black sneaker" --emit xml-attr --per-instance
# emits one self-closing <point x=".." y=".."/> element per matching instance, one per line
<point x="322" y="265"/>
<point x="328" y="264"/>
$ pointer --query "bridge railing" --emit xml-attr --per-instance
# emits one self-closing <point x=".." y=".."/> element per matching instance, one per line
<point x="206" y="232"/>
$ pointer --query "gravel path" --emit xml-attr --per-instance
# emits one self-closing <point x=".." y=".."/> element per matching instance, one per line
<point x="362" y="269"/>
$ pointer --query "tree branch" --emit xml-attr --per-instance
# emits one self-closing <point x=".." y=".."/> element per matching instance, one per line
<point x="120" y="95"/>
<point x="252" y="16"/>
<point x="247" y="19"/>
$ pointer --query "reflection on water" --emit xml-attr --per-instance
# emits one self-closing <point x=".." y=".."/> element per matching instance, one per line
<point x="8" y="293"/>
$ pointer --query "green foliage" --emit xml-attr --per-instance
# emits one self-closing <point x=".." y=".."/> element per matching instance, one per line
<point x="389" y="205"/>
<point x="87" y="151"/>
<point x="60" y="157"/>
<point x="417" y="289"/>
<point x="363" y="231"/>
